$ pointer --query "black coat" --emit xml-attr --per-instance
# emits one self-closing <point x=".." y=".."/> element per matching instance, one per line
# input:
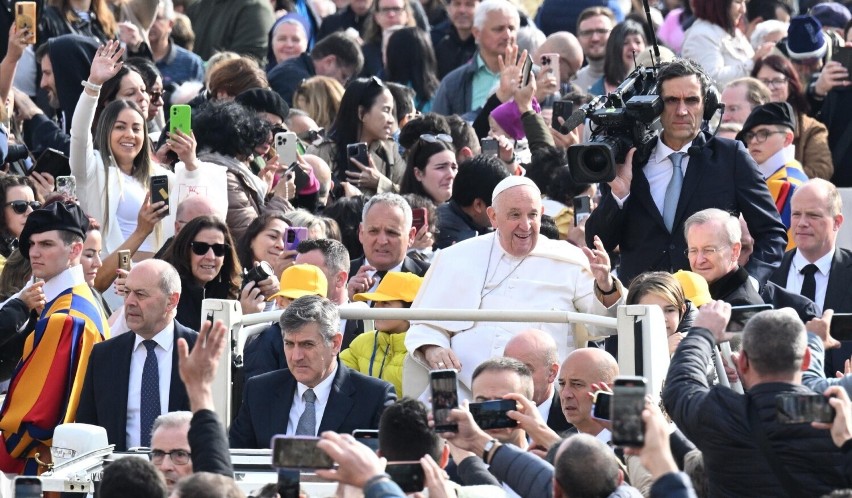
<point x="716" y="420"/>
<point x="721" y="175"/>
<point x="104" y="398"/>
<point x="736" y="289"/>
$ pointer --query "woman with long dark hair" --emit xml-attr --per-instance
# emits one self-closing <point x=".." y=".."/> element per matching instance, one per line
<point x="431" y="168"/>
<point x="626" y="41"/>
<point x="410" y="60"/>
<point x="18" y="198"/>
<point x="366" y="115"/>
<point x="811" y="136"/>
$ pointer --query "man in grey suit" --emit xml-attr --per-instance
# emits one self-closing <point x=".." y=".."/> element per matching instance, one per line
<point x="817" y="268"/>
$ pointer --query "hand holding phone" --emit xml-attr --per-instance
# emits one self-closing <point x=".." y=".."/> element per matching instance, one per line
<point x="160" y="190"/>
<point x="299" y="452"/>
<point x="628" y="401"/>
<point x="445" y="398"/>
<point x="25" y="19"/>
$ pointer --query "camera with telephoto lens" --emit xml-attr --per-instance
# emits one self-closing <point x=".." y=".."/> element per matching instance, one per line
<point x="259" y="273"/>
<point x="627" y="117"/>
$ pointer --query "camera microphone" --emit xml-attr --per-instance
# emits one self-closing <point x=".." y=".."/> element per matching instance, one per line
<point x="698" y="143"/>
<point x="574" y="120"/>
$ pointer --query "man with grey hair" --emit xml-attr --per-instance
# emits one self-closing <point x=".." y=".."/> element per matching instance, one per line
<point x="315" y="393"/>
<point x="511" y="268"/>
<point x="385" y="234"/>
<point x="747" y="451"/>
<point x="713" y="249"/>
<point x="741" y="96"/>
<point x="170" y="451"/>
<point x="464" y="90"/>
<point x="495" y="378"/>
<point x="176" y="64"/>
<point x="133" y="378"/>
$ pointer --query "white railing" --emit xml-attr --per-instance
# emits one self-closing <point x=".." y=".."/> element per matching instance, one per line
<point x="642" y="343"/>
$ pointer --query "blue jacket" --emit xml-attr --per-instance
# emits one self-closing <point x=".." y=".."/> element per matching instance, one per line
<point x="455" y="93"/>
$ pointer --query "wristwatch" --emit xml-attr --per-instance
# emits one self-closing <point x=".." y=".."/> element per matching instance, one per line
<point x="489" y="446"/>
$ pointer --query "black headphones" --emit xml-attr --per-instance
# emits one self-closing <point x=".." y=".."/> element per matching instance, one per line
<point x="712" y="97"/>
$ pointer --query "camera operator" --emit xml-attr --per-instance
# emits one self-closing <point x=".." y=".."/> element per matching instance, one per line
<point x="643" y="209"/>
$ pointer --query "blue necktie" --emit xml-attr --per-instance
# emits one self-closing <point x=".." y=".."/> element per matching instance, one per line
<point x="673" y="190"/>
<point x="149" y="401"/>
<point x="307" y="425"/>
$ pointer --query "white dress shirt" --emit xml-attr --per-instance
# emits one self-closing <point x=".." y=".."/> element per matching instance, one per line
<point x="165" y="340"/>
<point x="659" y="171"/>
<point x="322" y="391"/>
<point x="544" y="407"/>
<point x="795" y="279"/>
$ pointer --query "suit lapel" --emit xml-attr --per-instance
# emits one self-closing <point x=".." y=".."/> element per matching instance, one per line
<point x="779" y="276"/>
<point x="121" y="381"/>
<point x="340" y="401"/>
<point x="354" y="265"/>
<point x="838" y="282"/>
<point x="641" y="190"/>
<point x="178" y="399"/>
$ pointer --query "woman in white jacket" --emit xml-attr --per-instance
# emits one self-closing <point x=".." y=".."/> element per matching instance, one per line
<point x="715" y="42"/>
<point x="113" y="169"/>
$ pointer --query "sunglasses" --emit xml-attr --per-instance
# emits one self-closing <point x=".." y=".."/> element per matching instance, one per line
<point x="201" y="248"/>
<point x="440" y="137"/>
<point x="20" y="207"/>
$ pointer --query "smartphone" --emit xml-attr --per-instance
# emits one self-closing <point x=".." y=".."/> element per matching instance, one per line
<point x="628" y="401"/>
<point x="563" y="109"/>
<point x="492" y="414"/>
<point x="582" y="209"/>
<point x="299" y="452"/>
<point x="420" y="218"/>
<point x="180" y="118"/>
<point x="843" y="55"/>
<point x="25" y="18"/>
<point x="26" y="486"/>
<point x="841" y="326"/>
<point x="526" y="71"/>
<point x="285" y="146"/>
<point x="407" y="475"/>
<point x="53" y="162"/>
<point x="358" y="152"/>
<point x="802" y="408"/>
<point x="367" y="437"/>
<point x="550" y="64"/>
<point x="445" y="397"/>
<point x="300" y="177"/>
<point x="490" y="147"/>
<point x="160" y="190"/>
<point x="602" y="404"/>
<point x="67" y="185"/>
<point x="740" y="315"/>
<point x="293" y="236"/>
<point x="124" y="259"/>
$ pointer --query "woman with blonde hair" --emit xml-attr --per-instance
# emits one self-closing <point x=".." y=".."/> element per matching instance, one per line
<point x="320" y="97"/>
<point x="664" y="290"/>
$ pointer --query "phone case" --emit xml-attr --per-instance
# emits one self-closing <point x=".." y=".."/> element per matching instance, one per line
<point x="25" y="18"/>
<point x="360" y="153"/>
<point x="180" y="118"/>
<point x="550" y="62"/>
<point x="160" y="189"/>
<point x="285" y="146"/>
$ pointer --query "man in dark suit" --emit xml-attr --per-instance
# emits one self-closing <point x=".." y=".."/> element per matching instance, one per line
<point x="133" y="378"/>
<point x="537" y="350"/>
<point x="817" y="268"/>
<point x="315" y="393"/>
<point x="385" y="233"/>
<point x="718" y="173"/>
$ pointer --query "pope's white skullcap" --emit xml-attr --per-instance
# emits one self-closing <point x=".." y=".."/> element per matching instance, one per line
<point x="510" y="182"/>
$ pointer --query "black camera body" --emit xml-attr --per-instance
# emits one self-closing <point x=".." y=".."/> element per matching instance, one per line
<point x="258" y="273"/>
<point x="623" y="119"/>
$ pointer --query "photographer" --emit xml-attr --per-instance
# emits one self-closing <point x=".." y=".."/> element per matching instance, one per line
<point x="643" y="208"/>
<point x="746" y="450"/>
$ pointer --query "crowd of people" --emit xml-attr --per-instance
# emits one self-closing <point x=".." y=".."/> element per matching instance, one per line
<point x="307" y="156"/>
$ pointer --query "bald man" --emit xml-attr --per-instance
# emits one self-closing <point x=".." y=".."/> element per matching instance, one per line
<point x="537" y="350"/>
<point x="194" y="206"/>
<point x="582" y="368"/>
<point x="570" y="61"/>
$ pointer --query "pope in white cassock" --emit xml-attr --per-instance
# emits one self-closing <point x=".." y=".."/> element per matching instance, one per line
<point x="511" y="268"/>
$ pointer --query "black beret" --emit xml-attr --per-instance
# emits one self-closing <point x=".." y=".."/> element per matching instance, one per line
<point x="773" y="113"/>
<point x="55" y="216"/>
<point x="264" y="100"/>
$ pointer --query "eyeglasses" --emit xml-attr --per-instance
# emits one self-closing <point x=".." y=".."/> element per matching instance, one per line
<point x="155" y="96"/>
<point x="586" y="33"/>
<point x="708" y="252"/>
<point x="759" y="136"/>
<point x="312" y="136"/>
<point x="201" y="248"/>
<point x="776" y="82"/>
<point x="391" y="10"/>
<point x="20" y="207"/>
<point x="179" y="457"/>
<point x="440" y="137"/>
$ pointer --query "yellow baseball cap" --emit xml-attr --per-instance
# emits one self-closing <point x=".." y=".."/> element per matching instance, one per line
<point x="394" y="286"/>
<point x="694" y="287"/>
<point x="302" y="280"/>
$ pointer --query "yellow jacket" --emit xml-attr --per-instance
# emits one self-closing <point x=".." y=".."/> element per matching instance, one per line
<point x="377" y="354"/>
